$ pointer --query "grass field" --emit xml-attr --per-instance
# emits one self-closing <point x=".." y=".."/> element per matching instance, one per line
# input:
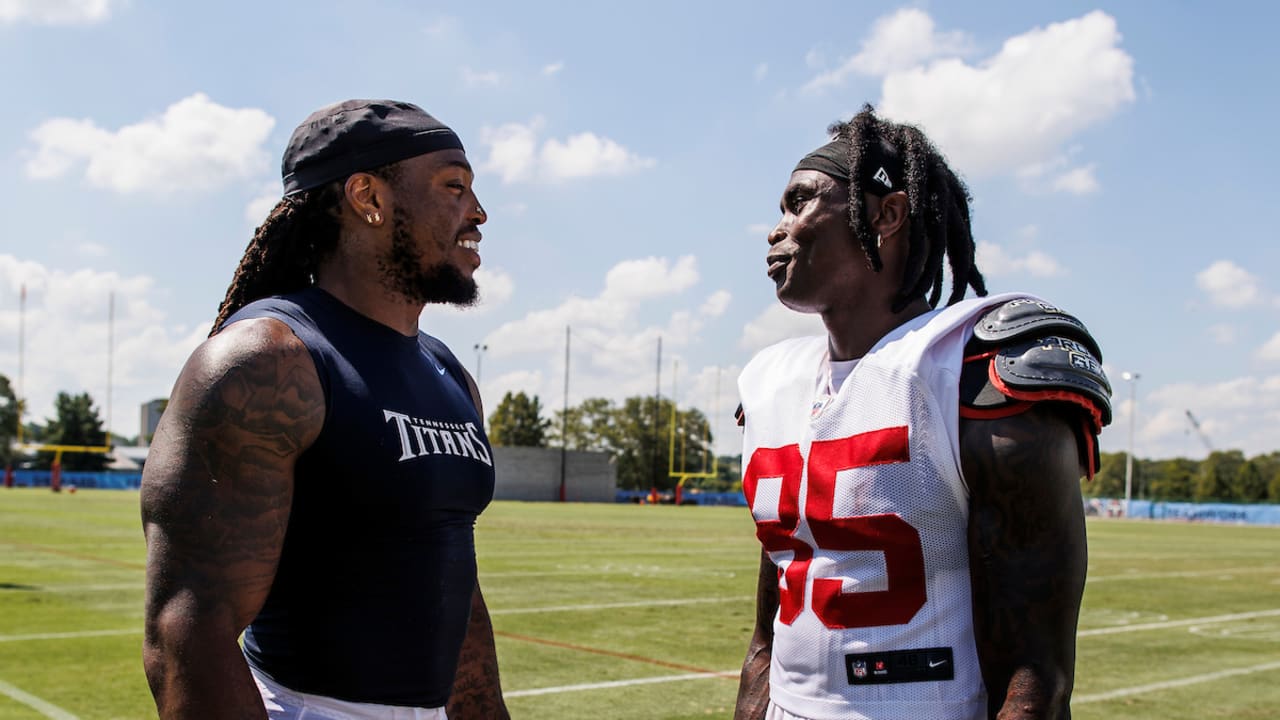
<point x="623" y="611"/>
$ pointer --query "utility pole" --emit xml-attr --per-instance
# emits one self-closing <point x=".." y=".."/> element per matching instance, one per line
<point x="1133" y="417"/>
<point x="564" y="417"/>
<point x="480" y="349"/>
<point x="657" y="398"/>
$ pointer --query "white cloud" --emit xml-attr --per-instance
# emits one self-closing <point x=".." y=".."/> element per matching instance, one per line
<point x="1270" y="350"/>
<point x="496" y="288"/>
<point x="587" y="155"/>
<point x="633" y="280"/>
<point x="475" y="78"/>
<point x="66" y="332"/>
<point x="514" y="153"/>
<point x="92" y="250"/>
<point x="995" y="261"/>
<point x="899" y="41"/>
<point x="54" y="12"/>
<point x="716" y="304"/>
<point x="195" y="144"/>
<point x="1229" y="285"/>
<point x="552" y="68"/>
<point x="762" y="70"/>
<point x="1019" y="106"/>
<point x="257" y="210"/>
<point x="778" y="323"/>
<point x="1239" y="413"/>
<point x="1077" y="181"/>
<point x="759" y="229"/>
<point x="613" y="350"/>
<point x="1223" y="334"/>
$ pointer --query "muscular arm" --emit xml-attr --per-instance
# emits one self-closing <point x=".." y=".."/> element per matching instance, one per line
<point x="216" y="493"/>
<point x="753" y="688"/>
<point x="1027" y="558"/>
<point x="477" y="690"/>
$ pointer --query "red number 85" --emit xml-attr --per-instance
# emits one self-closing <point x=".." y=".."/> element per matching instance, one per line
<point x="887" y="533"/>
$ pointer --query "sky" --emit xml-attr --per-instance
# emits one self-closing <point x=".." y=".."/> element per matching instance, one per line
<point x="1121" y="158"/>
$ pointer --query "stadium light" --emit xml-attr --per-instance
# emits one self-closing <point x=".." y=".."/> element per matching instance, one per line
<point x="1133" y="415"/>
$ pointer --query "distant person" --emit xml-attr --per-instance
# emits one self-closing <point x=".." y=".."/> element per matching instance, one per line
<point x="315" y="480"/>
<point x="914" y="473"/>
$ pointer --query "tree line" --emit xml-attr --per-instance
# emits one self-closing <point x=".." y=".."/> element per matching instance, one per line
<point x="75" y="422"/>
<point x="1224" y="476"/>
<point x="635" y="433"/>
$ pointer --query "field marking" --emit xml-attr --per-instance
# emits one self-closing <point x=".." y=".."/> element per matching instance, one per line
<point x="1184" y="573"/>
<point x="607" y="653"/>
<point x="43" y="707"/>
<point x="1174" y="684"/>
<point x="612" y="606"/>
<point x="727" y="674"/>
<point x="68" y="635"/>
<point x="78" y="556"/>
<point x="1178" y="623"/>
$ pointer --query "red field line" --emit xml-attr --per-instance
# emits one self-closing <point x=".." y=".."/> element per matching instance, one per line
<point x="78" y="556"/>
<point x="609" y="653"/>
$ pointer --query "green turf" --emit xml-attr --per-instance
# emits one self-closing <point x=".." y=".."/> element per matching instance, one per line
<point x="72" y="564"/>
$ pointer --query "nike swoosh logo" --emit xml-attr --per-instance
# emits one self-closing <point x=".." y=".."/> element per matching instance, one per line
<point x="933" y="664"/>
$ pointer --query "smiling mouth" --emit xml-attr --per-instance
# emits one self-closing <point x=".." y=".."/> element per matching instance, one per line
<point x="472" y="245"/>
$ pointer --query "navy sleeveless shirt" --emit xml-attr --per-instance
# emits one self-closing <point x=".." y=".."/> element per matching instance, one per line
<point x="372" y="596"/>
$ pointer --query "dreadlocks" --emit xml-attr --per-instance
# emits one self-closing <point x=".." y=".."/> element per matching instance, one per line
<point x="939" y="209"/>
<point x="285" y="250"/>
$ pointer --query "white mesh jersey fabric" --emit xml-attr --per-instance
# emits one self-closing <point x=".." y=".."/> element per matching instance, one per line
<point x="862" y="506"/>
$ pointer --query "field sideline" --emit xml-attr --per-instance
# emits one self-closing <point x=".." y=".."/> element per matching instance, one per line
<point x="643" y="612"/>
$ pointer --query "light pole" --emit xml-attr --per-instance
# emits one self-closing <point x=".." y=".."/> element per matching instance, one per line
<point x="480" y="348"/>
<point x="1133" y="416"/>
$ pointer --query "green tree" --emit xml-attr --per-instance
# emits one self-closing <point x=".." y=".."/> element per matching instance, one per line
<point x="1248" y="484"/>
<point x="1217" y="475"/>
<point x="585" y="427"/>
<point x="8" y="421"/>
<point x="518" y="422"/>
<point x="637" y="436"/>
<point x="1173" y="480"/>
<point x="77" y="423"/>
<point x="1108" y="482"/>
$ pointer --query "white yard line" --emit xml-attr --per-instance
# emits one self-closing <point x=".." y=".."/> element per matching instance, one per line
<point x="610" y="606"/>
<point x="1183" y="573"/>
<point x="47" y="709"/>
<point x="1173" y="684"/>
<point x="1178" y="623"/>
<point x="621" y="683"/>
<point x="67" y="635"/>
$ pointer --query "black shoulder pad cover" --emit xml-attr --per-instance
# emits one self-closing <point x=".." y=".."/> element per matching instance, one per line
<point x="1026" y="318"/>
<point x="1053" y="368"/>
<point x="1038" y="352"/>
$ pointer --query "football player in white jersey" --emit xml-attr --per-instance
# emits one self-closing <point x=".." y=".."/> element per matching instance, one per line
<point x="914" y="474"/>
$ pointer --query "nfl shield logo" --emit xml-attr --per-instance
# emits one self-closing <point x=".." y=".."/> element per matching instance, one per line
<point x="860" y="668"/>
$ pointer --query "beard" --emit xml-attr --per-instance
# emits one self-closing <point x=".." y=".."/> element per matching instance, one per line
<point x="403" y="273"/>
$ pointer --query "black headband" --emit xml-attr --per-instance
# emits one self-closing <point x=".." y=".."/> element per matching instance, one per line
<point x="882" y="165"/>
<point x="347" y="137"/>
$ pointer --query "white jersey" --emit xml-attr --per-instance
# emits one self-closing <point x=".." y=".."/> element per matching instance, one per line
<point x="859" y="500"/>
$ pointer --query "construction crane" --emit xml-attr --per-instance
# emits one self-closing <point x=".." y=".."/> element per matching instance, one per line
<point x="1195" y="424"/>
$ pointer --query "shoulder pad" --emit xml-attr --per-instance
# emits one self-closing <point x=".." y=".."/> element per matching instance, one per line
<point x="1054" y="368"/>
<point x="1025" y="318"/>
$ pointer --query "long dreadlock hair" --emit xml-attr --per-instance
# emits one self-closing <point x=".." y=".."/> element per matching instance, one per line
<point x="301" y="230"/>
<point x="939" y="210"/>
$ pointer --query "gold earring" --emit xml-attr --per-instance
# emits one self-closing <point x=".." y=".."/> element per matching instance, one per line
<point x="377" y="216"/>
<point x="368" y="217"/>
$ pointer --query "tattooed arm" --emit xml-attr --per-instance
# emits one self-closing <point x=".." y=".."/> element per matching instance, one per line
<point x="477" y="691"/>
<point x="1027" y="558"/>
<point x="753" y="688"/>
<point x="216" y="493"/>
